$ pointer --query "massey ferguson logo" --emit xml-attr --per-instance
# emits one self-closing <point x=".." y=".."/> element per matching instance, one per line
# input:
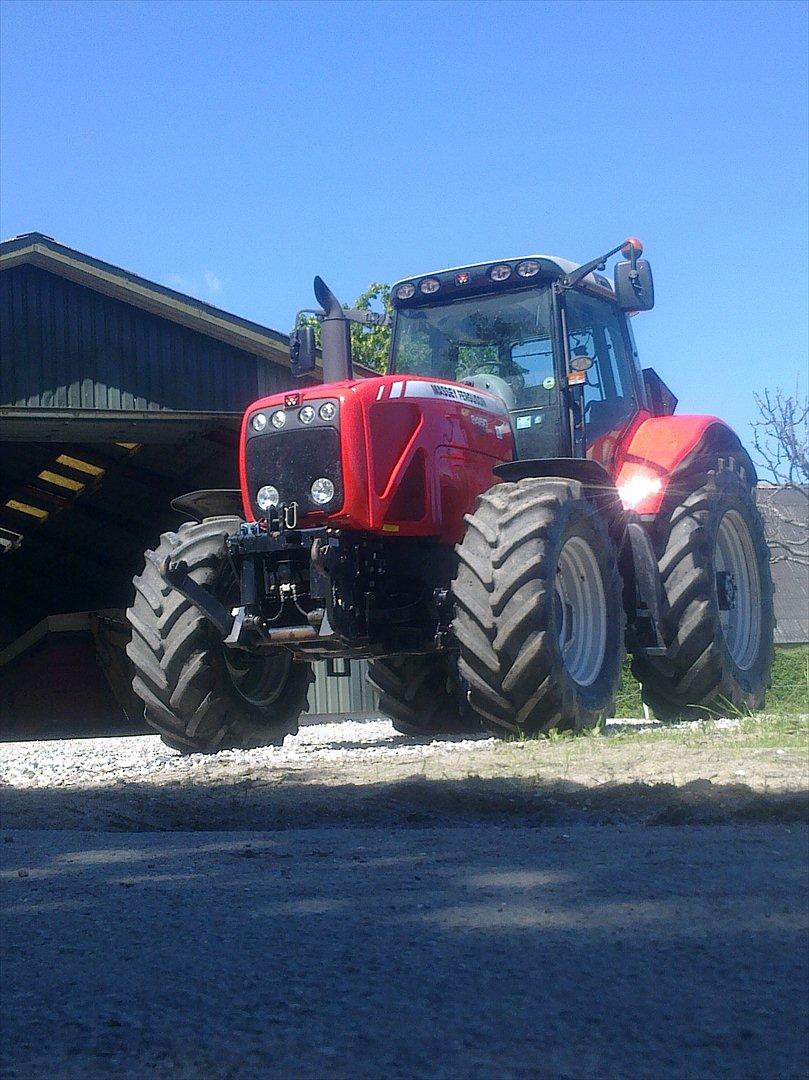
<point x="454" y="393"/>
<point x="491" y="403"/>
<point x="291" y="400"/>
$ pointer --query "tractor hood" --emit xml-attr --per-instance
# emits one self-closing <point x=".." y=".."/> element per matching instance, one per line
<point x="393" y="454"/>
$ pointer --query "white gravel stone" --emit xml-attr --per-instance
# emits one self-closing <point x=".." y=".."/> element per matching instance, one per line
<point x="103" y="762"/>
<point x="106" y="761"/>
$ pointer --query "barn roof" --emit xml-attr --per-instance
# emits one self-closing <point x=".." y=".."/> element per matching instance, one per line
<point x="37" y="249"/>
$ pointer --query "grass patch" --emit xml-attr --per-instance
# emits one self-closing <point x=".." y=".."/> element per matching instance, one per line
<point x="762" y="731"/>
<point x="628" y="701"/>
<point x="788" y="695"/>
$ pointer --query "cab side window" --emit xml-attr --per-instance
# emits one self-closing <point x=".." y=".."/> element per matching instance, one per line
<point x="594" y="330"/>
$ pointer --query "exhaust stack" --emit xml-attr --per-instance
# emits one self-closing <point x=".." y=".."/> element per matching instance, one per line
<point x="335" y="336"/>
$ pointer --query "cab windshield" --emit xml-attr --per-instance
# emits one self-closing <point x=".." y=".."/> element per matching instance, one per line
<point x="503" y="339"/>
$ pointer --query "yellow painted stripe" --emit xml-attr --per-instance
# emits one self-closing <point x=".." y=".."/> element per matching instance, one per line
<point x="79" y="466"/>
<point x="26" y="508"/>
<point x="62" y="481"/>
<point x="129" y="445"/>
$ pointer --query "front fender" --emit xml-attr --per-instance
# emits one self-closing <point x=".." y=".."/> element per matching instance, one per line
<point x="666" y="446"/>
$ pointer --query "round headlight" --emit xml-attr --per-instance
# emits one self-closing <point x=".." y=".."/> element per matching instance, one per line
<point x="429" y="285"/>
<point x="322" y="491"/>
<point x="279" y="418"/>
<point x="501" y="272"/>
<point x="528" y="268"/>
<point x="306" y="415"/>
<point x="328" y="410"/>
<point x="404" y="292"/>
<point x="267" y="496"/>
<point x="259" y="421"/>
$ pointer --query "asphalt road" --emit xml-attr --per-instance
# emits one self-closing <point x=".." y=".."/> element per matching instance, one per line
<point x="482" y="950"/>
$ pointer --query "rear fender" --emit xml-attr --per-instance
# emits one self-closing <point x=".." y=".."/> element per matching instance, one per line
<point x="665" y="447"/>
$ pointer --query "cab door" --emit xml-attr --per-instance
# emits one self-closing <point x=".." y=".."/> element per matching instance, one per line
<point x="597" y="330"/>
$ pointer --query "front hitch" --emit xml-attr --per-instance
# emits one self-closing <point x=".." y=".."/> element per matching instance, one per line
<point x="176" y="574"/>
<point x="229" y="625"/>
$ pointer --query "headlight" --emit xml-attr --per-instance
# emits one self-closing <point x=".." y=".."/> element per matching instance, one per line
<point x="429" y="285"/>
<point x="259" y="421"/>
<point x="306" y="415"/>
<point x="322" y="491"/>
<point x="267" y="496"/>
<point x="404" y="292"/>
<point x="501" y="272"/>
<point x="528" y="268"/>
<point x="328" y="411"/>
<point x="279" y="418"/>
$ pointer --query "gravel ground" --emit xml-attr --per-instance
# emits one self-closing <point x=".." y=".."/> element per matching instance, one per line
<point x="362" y="772"/>
<point x="451" y="910"/>
<point x="448" y="953"/>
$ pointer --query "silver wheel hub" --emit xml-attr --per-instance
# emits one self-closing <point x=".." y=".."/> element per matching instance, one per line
<point x="581" y="611"/>
<point x="737" y="584"/>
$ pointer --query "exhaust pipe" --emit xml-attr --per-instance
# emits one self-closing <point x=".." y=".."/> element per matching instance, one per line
<point x="335" y="336"/>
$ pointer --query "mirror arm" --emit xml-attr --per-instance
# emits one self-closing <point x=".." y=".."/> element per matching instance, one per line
<point x="367" y="318"/>
<point x="635" y="249"/>
<point x="596" y="264"/>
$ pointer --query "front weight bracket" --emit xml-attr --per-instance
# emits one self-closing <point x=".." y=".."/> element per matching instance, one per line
<point x="176" y="574"/>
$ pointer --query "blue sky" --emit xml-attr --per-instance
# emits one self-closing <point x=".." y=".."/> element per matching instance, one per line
<point x="234" y="150"/>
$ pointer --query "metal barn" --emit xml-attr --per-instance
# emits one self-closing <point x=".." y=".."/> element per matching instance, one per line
<point x="116" y="395"/>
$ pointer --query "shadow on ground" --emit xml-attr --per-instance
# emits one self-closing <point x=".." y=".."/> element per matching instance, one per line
<point x="463" y="953"/>
<point x="294" y="798"/>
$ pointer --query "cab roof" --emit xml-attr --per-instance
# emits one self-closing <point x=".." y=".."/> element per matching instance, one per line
<point x="550" y="263"/>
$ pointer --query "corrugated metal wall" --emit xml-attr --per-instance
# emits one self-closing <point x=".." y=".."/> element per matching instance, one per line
<point x="65" y="346"/>
<point x="351" y="695"/>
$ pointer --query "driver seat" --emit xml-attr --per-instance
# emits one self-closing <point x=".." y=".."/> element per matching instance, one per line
<point x="495" y="384"/>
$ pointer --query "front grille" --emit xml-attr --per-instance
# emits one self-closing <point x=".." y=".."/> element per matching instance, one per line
<point x="291" y="461"/>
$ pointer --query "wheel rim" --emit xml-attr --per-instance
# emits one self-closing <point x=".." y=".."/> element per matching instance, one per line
<point x="258" y="679"/>
<point x="737" y="585"/>
<point x="581" y="611"/>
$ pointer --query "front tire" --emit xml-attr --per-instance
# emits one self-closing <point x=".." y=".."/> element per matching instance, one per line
<point x="200" y="696"/>
<point x="717" y="616"/>
<point x="421" y="695"/>
<point x="539" y="613"/>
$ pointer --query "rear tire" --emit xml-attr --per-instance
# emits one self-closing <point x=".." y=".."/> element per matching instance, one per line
<point x="421" y="694"/>
<point x="717" y="613"/>
<point x="538" y="609"/>
<point x="200" y="696"/>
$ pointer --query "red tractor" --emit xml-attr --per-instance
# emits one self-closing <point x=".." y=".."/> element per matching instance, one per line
<point x="491" y="524"/>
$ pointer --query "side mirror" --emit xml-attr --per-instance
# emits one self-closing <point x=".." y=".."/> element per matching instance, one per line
<point x="634" y="288"/>
<point x="302" y="351"/>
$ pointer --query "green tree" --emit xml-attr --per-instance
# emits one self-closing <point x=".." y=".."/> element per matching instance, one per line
<point x="370" y="345"/>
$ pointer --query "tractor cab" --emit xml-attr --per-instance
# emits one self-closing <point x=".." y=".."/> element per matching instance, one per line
<point x="558" y="351"/>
